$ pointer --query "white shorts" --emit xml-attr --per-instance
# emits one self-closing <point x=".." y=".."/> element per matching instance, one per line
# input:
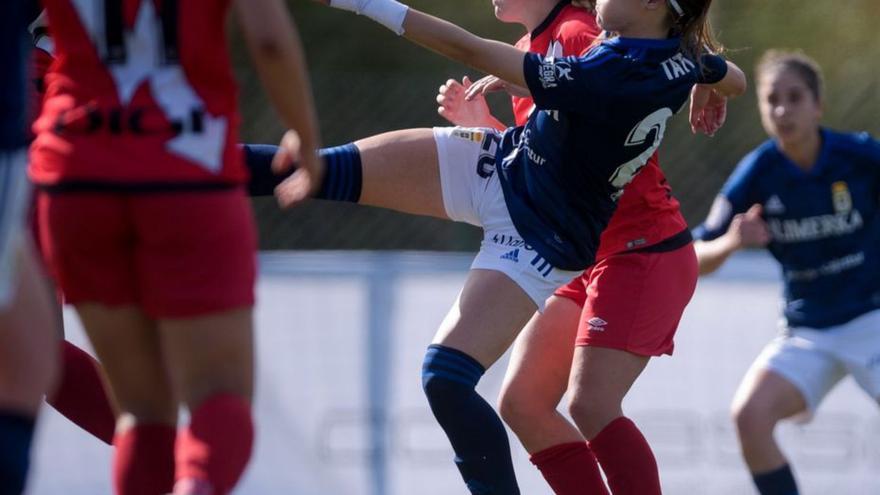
<point x="14" y="197"/>
<point x="814" y="361"/>
<point x="472" y="194"/>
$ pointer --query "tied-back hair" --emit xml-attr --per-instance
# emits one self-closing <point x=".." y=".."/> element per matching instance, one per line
<point x="805" y="67"/>
<point x="694" y="28"/>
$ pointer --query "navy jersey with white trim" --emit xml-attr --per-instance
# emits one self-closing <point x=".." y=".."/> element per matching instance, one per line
<point x="14" y="50"/>
<point x="824" y="225"/>
<point x="598" y="119"/>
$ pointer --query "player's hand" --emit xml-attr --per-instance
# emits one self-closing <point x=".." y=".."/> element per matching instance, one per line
<point x="490" y="84"/>
<point x="708" y="110"/>
<point x="307" y="177"/>
<point x="456" y="109"/>
<point x="749" y="229"/>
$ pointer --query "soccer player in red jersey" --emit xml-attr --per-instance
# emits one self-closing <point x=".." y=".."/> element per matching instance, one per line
<point x="621" y="311"/>
<point x="145" y="223"/>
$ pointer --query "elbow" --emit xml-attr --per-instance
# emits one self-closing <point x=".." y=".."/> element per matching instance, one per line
<point x="740" y="84"/>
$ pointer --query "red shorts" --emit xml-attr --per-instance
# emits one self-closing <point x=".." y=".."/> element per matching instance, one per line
<point x="174" y="255"/>
<point x="634" y="301"/>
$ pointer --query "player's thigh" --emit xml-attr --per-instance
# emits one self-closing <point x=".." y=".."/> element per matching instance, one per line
<point x="126" y="342"/>
<point x="790" y="377"/>
<point x="487" y="316"/>
<point x="540" y="363"/>
<point x="28" y="341"/>
<point x="400" y="172"/>
<point x="210" y="354"/>
<point x="769" y="396"/>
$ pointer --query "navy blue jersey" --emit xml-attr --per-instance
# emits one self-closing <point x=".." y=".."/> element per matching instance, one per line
<point x="598" y="119"/>
<point x="824" y="225"/>
<point x="14" y="48"/>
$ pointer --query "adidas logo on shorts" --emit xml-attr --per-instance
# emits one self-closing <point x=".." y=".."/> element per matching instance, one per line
<point x="512" y="256"/>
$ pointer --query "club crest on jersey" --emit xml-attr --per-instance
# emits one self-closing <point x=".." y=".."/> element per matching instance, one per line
<point x="840" y="197"/>
<point x="475" y="136"/>
<point x="551" y="71"/>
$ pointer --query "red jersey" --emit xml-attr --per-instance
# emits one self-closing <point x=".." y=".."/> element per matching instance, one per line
<point x="647" y="213"/>
<point x="141" y="93"/>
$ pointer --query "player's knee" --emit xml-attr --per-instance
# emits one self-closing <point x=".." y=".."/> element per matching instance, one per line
<point x="751" y="417"/>
<point x="592" y="414"/>
<point x="519" y="409"/>
<point x="448" y="376"/>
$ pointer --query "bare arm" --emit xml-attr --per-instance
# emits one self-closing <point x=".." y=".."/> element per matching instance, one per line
<point x="275" y="48"/>
<point x="453" y="42"/>
<point x="712" y="254"/>
<point x="445" y="38"/>
<point x="733" y="84"/>
<point x="746" y="230"/>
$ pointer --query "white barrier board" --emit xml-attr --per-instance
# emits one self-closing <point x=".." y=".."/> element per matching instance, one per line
<point x="340" y="410"/>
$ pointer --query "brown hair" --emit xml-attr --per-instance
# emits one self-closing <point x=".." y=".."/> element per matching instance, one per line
<point x="694" y="27"/>
<point x="805" y="67"/>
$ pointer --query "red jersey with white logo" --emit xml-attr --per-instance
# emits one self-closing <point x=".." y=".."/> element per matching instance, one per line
<point x="141" y="93"/>
<point x="646" y="213"/>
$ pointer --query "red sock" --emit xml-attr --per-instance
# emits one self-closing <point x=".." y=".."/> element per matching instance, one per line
<point x="570" y="469"/>
<point x="217" y="444"/>
<point x="626" y="459"/>
<point x="143" y="463"/>
<point x="80" y="395"/>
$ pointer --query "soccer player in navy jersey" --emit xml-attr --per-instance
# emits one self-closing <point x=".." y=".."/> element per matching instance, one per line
<point x="542" y="192"/>
<point x="810" y="196"/>
<point x="644" y="276"/>
<point x="27" y="332"/>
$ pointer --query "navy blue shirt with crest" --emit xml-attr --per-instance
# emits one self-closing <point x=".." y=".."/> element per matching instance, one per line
<point x="824" y="225"/>
<point x="598" y="119"/>
<point x="14" y="49"/>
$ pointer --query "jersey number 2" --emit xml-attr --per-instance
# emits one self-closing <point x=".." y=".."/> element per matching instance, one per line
<point x="638" y="136"/>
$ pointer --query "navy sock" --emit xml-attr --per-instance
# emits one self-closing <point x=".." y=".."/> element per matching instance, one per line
<point x="478" y="437"/>
<point x="258" y="159"/>
<point x="16" y="433"/>
<point x="777" y="482"/>
<point x="342" y="177"/>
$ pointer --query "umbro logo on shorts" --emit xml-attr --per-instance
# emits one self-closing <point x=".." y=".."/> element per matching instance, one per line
<point x="597" y="324"/>
<point x="511" y="255"/>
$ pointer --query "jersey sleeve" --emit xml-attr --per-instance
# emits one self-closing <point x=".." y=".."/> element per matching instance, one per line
<point x="714" y="68"/>
<point x="736" y="196"/>
<point x="565" y="83"/>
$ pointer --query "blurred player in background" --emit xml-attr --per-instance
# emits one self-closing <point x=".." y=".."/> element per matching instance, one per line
<point x="540" y="202"/>
<point x="645" y="275"/>
<point x="145" y="223"/>
<point x="27" y="334"/>
<point x="810" y="196"/>
<point x="80" y="393"/>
